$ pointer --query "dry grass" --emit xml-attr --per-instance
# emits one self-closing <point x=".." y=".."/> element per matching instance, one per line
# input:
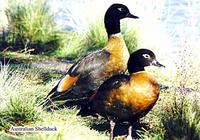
<point x="22" y="90"/>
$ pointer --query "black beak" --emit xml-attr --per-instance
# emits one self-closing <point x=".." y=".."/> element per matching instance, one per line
<point x="156" y="63"/>
<point x="131" y="15"/>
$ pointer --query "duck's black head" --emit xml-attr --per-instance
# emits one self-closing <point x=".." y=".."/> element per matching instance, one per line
<point x="113" y="15"/>
<point x="140" y="59"/>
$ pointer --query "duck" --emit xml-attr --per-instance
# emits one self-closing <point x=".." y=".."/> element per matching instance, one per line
<point x="85" y="76"/>
<point x="126" y="98"/>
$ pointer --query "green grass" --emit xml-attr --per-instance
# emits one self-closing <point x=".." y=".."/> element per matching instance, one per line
<point x="23" y="89"/>
<point x="31" y="25"/>
<point x="59" y="44"/>
<point x="19" y="57"/>
<point x="181" y="121"/>
<point x="16" y="106"/>
<point x="69" y="126"/>
<point x="30" y="20"/>
<point x="180" y="117"/>
<point x="78" y="45"/>
<point x="32" y="30"/>
<point x="72" y="48"/>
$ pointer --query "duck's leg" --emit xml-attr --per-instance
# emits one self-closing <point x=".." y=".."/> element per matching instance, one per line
<point x="129" y="137"/>
<point x="112" y="126"/>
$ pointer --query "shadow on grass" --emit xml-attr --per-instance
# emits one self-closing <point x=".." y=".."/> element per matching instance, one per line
<point x="6" y="60"/>
<point x="121" y="129"/>
<point x="180" y="129"/>
<point x="102" y="125"/>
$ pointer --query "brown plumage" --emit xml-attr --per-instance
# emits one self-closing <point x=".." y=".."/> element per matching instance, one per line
<point x="85" y="76"/>
<point x="127" y="97"/>
<point x="139" y="93"/>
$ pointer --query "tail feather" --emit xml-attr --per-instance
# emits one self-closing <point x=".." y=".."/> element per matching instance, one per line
<point x="55" y="96"/>
<point x="48" y="99"/>
<point x="69" y="97"/>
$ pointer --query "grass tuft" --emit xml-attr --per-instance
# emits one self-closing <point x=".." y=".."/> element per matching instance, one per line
<point x="180" y="115"/>
<point x="31" y="25"/>
<point x="16" y="107"/>
<point x="181" y="120"/>
<point x="23" y="90"/>
<point x="78" y="45"/>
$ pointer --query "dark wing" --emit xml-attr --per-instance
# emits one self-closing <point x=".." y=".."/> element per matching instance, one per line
<point x="82" y="73"/>
<point x="114" y="82"/>
<point x="86" y="71"/>
<point x="91" y="62"/>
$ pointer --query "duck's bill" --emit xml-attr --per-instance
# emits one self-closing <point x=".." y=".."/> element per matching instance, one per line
<point x="158" y="64"/>
<point x="131" y="15"/>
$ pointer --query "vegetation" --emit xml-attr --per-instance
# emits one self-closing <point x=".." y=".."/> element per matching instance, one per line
<point x="175" y="115"/>
<point x="32" y="29"/>
<point x="31" y="25"/>
<point x="22" y="91"/>
<point x="78" y="45"/>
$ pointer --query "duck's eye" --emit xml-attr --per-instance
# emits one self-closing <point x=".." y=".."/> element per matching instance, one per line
<point x="146" y="56"/>
<point x="120" y="9"/>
